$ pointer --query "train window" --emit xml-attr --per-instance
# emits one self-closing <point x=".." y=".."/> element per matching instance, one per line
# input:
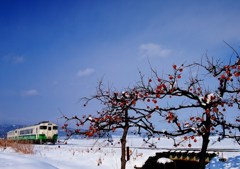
<point x="55" y="127"/>
<point x="49" y="128"/>
<point x="27" y="131"/>
<point x="43" y="127"/>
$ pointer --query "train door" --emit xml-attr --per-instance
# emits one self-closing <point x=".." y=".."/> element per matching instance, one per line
<point x="49" y="132"/>
<point x="36" y="133"/>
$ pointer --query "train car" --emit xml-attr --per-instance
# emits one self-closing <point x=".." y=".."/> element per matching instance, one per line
<point x="42" y="132"/>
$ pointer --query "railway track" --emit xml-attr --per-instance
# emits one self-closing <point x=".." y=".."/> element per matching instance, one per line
<point x="192" y="149"/>
<point x="170" y="149"/>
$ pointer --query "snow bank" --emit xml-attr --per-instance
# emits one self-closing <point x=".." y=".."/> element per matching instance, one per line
<point x="100" y="154"/>
<point x="17" y="161"/>
<point x="218" y="163"/>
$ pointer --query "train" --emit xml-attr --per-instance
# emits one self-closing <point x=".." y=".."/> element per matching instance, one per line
<point x="43" y="132"/>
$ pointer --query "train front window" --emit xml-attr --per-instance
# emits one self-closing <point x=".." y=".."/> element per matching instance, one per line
<point x="43" y="127"/>
<point x="49" y="128"/>
<point x="55" y="127"/>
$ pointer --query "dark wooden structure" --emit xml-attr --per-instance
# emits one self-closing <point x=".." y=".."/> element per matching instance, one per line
<point x="183" y="159"/>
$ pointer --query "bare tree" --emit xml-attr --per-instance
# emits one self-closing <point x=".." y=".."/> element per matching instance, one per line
<point x="185" y="91"/>
<point x="195" y="100"/>
<point x="119" y="112"/>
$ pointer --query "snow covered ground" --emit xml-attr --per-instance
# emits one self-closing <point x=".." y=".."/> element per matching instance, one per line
<point x="99" y="154"/>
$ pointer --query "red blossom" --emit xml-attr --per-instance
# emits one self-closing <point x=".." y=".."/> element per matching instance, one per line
<point x="175" y="67"/>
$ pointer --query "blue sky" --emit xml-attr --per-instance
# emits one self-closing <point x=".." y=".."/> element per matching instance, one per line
<point x="53" y="52"/>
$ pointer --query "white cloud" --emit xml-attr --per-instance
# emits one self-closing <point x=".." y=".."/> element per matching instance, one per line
<point x="18" y="60"/>
<point x="85" y="72"/>
<point x="31" y="92"/>
<point x="153" y="50"/>
<point x="13" y="59"/>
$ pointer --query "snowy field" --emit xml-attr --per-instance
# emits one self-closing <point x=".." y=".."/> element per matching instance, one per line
<point x="99" y="154"/>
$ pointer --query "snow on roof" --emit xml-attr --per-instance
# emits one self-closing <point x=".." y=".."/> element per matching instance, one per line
<point x="190" y="151"/>
<point x="164" y="160"/>
<point x="211" y="152"/>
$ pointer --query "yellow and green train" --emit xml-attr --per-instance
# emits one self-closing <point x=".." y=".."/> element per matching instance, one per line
<point x="42" y="132"/>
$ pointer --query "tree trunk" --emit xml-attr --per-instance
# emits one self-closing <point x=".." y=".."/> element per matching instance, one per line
<point x="204" y="150"/>
<point x="123" y="147"/>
